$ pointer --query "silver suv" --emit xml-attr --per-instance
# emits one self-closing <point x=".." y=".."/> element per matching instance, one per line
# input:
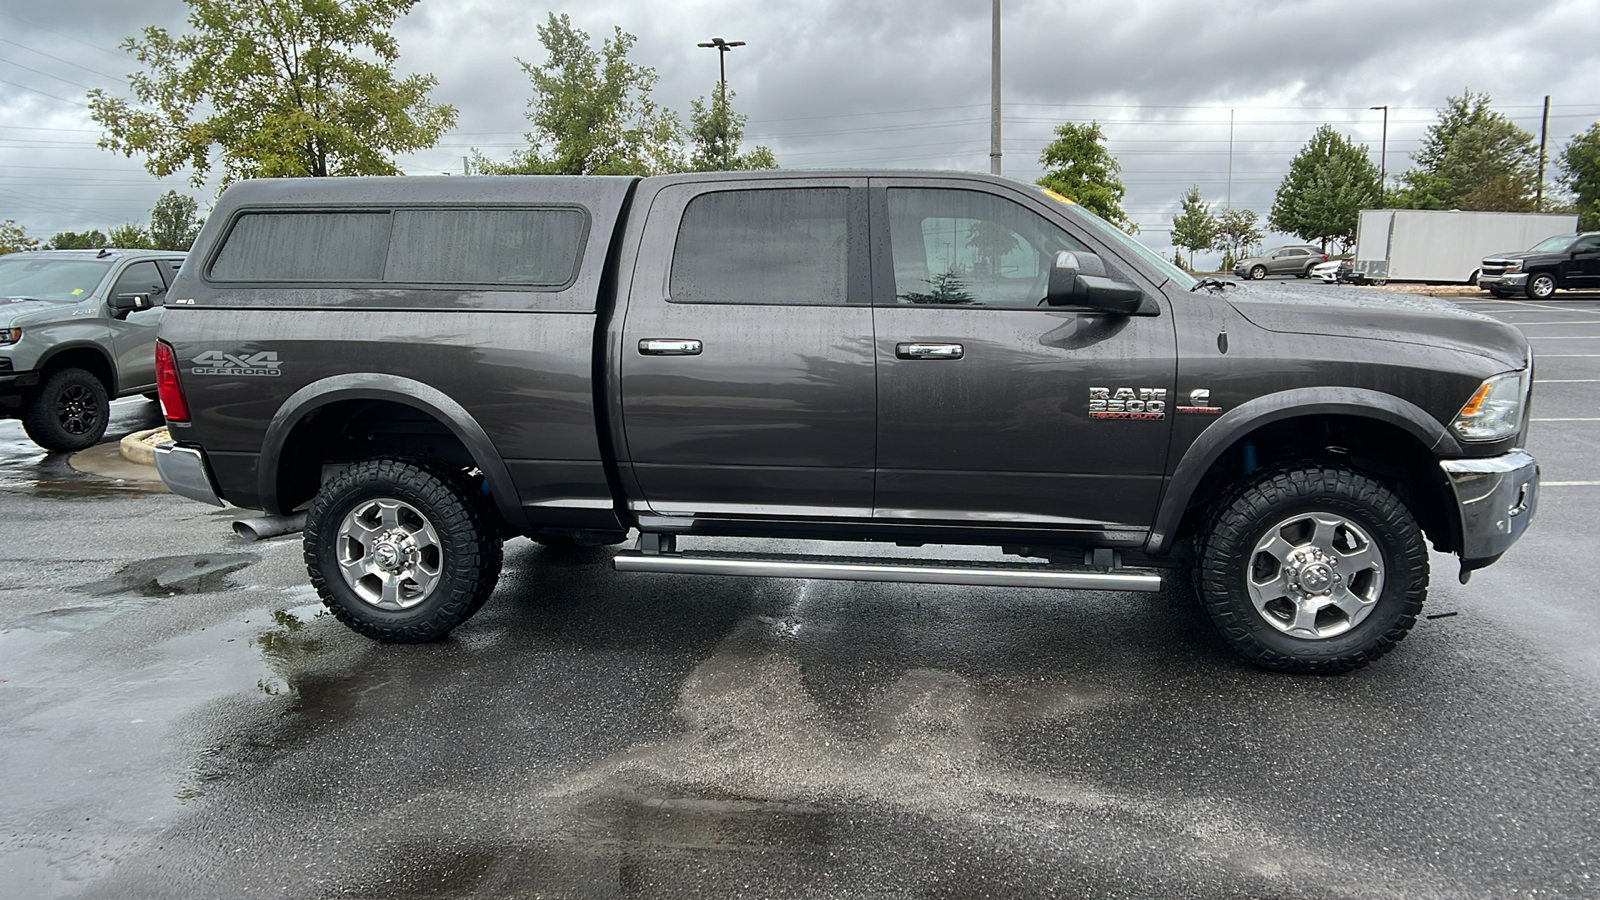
<point x="1296" y="260"/>
<point x="78" y="327"/>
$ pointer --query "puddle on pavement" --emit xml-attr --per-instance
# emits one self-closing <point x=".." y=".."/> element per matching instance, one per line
<point x="168" y="576"/>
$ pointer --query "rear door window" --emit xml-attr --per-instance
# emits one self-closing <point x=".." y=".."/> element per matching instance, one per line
<point x="780" y="246"/>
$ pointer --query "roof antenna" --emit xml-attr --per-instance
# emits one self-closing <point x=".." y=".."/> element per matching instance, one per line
<point x="104" y="252"/>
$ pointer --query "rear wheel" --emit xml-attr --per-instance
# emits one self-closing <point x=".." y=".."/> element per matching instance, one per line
<point x="1541" y="285"/>
<point x="401" y="550"/>
<point x="1312" y="569"/>
<point x="68" y="411"/>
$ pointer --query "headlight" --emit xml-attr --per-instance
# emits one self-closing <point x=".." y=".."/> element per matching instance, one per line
<point x="1495" y="410"/>
<point x="1513" y="268"/>
<point x="10" y="336"/>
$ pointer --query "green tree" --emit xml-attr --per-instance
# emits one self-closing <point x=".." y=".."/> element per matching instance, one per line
<point x="14" y="238"/>
<point x="1237" y="231"/>
<point x="129" y="236"/>
<point x="1472" y="158"/>
<point x="715" y="132"/>
<point x="275" y="88"/>
<point x="1194" y="227"/>
<point x="1330" y="181"/>
<point x="1579" y="172"/>
<point x="173" y="224"/>
<point x="1078" y="167"/>
<point x="990" y="243"/>
<point x="1177" y="258"/>
<point x="72" y="240"/>
<point x="591" y="111"/>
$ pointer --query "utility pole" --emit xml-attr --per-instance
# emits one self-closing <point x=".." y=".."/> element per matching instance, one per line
<point x="1544" y="130"/>
<point x="1229" y="204"/>
<point x="723" y="48"/>
<point x="1383" y="157"/>
<point x="994" y="100"/>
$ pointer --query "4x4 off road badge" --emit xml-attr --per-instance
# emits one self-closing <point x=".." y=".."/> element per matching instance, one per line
<point x="215" y="362"/>
<point x="1127" y="403"/>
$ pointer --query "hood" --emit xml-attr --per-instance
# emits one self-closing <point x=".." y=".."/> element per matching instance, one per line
<point x="1519" y="254"/>
<point x="1395" y="317"/>
<point x="20" y="311"/>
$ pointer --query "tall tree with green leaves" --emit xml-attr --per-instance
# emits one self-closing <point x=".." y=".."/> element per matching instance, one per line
<point x="1078" y="167"/>
<point x="273" y="88"/>
<point x="715" y="133"/>
<point x="1578" y="169"/>
<point x="72" y="240"/>
<point x="1194" y="227"/>
<point x="1238" y="230"/>
<point x="173" y="223"/>
<point x="14" y="238"/>
<point x="1472" y="158"/>
<point x="591" y="111"/>
<point x="129" y="236"/>
<point x="1330" y="181"/>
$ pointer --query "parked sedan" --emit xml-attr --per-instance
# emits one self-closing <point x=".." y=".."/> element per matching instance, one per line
<point x="1296" y="260"/>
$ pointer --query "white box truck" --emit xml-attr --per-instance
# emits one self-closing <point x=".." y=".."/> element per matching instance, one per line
<point x="1444" y="246"/>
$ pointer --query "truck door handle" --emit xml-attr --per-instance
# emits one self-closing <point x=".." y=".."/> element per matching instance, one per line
<point x="669" y="347"/>
<point x="927" y="351"/>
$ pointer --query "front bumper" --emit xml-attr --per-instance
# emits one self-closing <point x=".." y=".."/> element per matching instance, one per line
<point x="1513" y="281"/>
<point x="1497" y="497"/>
<point x="12" y="386"/>
<point x="185" y="472"/>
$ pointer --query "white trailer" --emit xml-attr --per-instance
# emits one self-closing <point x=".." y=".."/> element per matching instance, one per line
<point x="1445" y="246"/>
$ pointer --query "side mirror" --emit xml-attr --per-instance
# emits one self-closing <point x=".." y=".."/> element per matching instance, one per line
<point x="1079" y="279"/>
<point x="127" y="303"/>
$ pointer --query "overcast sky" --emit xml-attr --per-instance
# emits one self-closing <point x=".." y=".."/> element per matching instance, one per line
<point x="891" y="83"/>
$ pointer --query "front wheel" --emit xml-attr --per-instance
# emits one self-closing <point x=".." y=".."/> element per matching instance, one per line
<point x="400" y="550"/>
<point x="68" y="411"/>
<point x="1541" y="286"/>
<point x="1312" y="569"/>
<point x="1258" y="272"/>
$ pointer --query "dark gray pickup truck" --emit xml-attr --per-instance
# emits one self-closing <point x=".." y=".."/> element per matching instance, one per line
<point x="424" y="366"/>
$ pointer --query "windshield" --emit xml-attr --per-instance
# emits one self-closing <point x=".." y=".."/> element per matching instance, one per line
<point x="43" y="278"/>
<point x="1554" y="244"/>
<point x="1120" y="238"/>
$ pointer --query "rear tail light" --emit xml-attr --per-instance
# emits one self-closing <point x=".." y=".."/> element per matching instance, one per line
<point x="173" y="405"/>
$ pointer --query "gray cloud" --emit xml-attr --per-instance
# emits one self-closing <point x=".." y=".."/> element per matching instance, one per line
<point x="895" y="83"/>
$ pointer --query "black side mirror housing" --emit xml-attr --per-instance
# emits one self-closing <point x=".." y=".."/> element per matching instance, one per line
<point x="1079" y="279"/>
<point x="127" y="303"/>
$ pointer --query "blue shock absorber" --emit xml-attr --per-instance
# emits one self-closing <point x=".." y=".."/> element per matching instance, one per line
<point x="1249" y="458"/>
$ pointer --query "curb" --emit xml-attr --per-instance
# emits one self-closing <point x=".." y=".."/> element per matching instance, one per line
<point x="134" y="449"/>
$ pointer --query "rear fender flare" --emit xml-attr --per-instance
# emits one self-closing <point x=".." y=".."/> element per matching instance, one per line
<point x="1240" y="421"/>
<point x="378" y="386"/>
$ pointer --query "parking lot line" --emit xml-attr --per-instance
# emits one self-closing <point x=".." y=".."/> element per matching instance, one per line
<point x="1563" y="337"/>
<point x="1566" y="381"/>
<point x="1533" y="324"/>
<point x="1545" y="484"/>
<point x="1569" y="356"/>
<point x="1594" y="419"/>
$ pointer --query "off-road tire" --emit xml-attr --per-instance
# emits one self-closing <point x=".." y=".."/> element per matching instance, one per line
<point x="1258" y="272"/>
<point x="68" y="411"/>
<point x="470" y="547"/>
<point x="1541" y="286"/>
<point x="1244" y="515"/>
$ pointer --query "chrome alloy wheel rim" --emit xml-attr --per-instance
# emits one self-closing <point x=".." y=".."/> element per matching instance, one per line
<point x="1316" y="575"/>
<point x="1543" y="286"/>
<point x="76" y="410"/>
<point x="389" y="554"/>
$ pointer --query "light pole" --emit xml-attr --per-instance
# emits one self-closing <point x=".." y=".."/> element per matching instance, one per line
<point x="1383" y="157"/>
<point x="994" y="98"/>
<point x="722" y="47"/>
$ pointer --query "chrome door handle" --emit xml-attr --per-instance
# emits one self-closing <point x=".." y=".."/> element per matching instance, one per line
<point x="669" y="347"/>
<point x="927" y="351"/>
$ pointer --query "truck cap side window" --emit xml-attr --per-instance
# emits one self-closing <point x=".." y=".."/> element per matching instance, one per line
<point x="968" y="248"/>
<point x="784" y="246"/>
<point x="535" y="247"/>
<point x="308" y="246"/>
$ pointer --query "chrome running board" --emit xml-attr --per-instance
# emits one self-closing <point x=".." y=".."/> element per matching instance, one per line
<point x="912" y="571"/>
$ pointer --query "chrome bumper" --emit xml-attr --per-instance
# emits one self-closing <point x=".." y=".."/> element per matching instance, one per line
<point x="1497" y="497"/>
<point x="1518" y="280"/>
<point x="184" y="471"/>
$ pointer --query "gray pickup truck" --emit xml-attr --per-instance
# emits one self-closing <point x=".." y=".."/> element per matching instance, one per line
<point x="77" y="328"/>
<point x="424" y="366"/>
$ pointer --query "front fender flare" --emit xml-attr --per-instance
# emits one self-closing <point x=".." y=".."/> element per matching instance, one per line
<point x="379" y="386"/>
<point x="1247" y="417"/>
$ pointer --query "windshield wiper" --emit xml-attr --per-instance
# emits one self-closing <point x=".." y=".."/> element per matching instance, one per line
<point x="1210" y="281"/>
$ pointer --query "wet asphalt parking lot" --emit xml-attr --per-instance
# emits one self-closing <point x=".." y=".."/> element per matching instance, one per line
<point x="178" y="720"/>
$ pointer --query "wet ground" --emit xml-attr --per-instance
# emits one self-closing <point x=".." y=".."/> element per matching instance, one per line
<point x="177" y="719"/>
